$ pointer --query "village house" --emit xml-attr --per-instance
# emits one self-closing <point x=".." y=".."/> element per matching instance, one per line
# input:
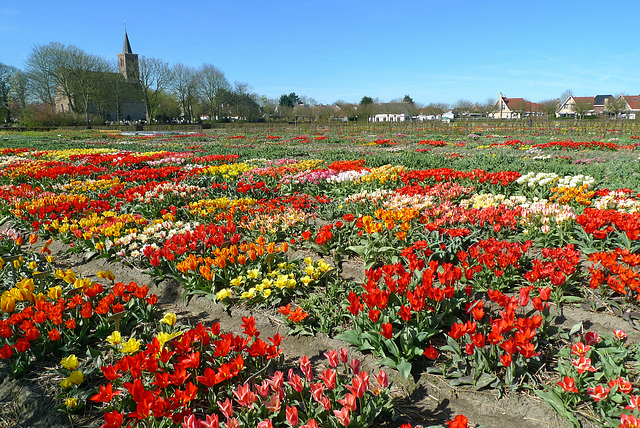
<point x="631" y="105"/>
<point x="515" y="108"/>
<point x="576" y="105"/>
<point x="392" y="112"/>
<point x="584" y="106"/>
<point x="600" y="102"/>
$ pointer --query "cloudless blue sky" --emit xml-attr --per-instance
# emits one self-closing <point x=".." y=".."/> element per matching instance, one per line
<point x="435" y="51"/>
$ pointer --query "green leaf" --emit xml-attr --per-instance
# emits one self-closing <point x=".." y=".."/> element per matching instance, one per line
<point x="616" y="398"/>
<point x="385" y="249"/>
<point x="552" y="399"/>
<point x="451" y="342"/>
<point x="464" y="380"/>
<point x="366" y="346"/>
<point x="392" y="347"/>
<point x="485" y="380"/>
<point x="404" y="368"/>
<point x="386" y="361"/>
<point x="358" y="249"/>
<point x="571" y="299"/>
<point x="366" y="336"/>
<point x="427" y="333"/>
<point x="434" y="370"/>
<point x="576" y="328"/>
<point x="350" y="337"/>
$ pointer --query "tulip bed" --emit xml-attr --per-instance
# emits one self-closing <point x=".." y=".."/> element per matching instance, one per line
<point x="470" y="247"/>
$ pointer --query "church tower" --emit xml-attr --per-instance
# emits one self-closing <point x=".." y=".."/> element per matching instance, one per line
<point x="128" y="62"/>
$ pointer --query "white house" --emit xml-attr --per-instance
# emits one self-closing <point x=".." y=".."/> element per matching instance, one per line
<point x="424" y="117"/>
<point x="514" y="108"/>
<point x="568" y="106"/>
<point x="389" y="117"/>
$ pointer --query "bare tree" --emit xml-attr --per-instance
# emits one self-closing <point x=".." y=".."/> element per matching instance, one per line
<point x="66" y="71"/>
<point x="210" y="82"/>
<point x="323" y="113"/>
<point x="487" y="107"/>
<point x="62" y="58"/>
<point x="566" y="94"/>
<point x="436" y="109"/>
<point x="413" y="109"/>
<point x="303" y="112"/>
<point x="244" y="102"/>
<point x="41" y="71"/>
<point x="549" y="107"/>
<point x="112" y="91"/>
<point x="184" y="88"/>
<point x="463" y="107"/>
<point x="617" y="106"/>
<point x="348" y="110"/>
<point x="269" y="106"/>
<point x="155" y="77"/>
<point x="581" y="108"/>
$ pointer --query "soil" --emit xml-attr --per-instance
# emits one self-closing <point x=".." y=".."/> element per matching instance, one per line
<point x="422" y="401"/>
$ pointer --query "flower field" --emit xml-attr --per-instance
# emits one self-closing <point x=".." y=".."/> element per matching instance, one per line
<point x="504" y="266"/>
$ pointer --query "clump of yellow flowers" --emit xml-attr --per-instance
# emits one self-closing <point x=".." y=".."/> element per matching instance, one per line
<point x="76" y="377"/>
<point x="257" y="284"/>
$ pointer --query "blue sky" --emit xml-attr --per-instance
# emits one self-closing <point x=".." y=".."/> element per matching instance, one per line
<point x="435" y="51"/>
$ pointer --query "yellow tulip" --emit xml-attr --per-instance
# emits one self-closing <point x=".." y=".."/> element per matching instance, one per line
<point x="75" y="378"/>
<point x="114" y="338"/>
<point x="130" y="346"/>
<point x="70" y="362"/>
<point x="223" y="294"/>
<point x="55" y="293"/>
<point x="7" y="303"/>
<point x="169" y="318"/>
<point x="71" y="402"/>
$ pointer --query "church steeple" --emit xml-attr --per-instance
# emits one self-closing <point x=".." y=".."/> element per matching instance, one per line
<point x="126" y="47"/>
<point x="128" y="61"/>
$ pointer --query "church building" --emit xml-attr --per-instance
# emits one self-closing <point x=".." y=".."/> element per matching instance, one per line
<point x="119" y="96"/>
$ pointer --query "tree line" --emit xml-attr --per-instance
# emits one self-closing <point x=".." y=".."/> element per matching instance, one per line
<point x="56" y="74"/>
<point x="91" y="86"/>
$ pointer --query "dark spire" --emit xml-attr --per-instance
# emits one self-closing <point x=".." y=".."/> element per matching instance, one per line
<point x="126" y="47"/>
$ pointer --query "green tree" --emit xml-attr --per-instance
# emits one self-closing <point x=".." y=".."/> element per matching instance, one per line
<point x="6" y="77"/>
<point x="366" y="109"/>
<point x="366" y="100"/>
<point x="167" y="109"/>
<point x="289" y="100"/>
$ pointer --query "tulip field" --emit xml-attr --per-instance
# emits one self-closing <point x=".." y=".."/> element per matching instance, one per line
<point x="503" y="268"/>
